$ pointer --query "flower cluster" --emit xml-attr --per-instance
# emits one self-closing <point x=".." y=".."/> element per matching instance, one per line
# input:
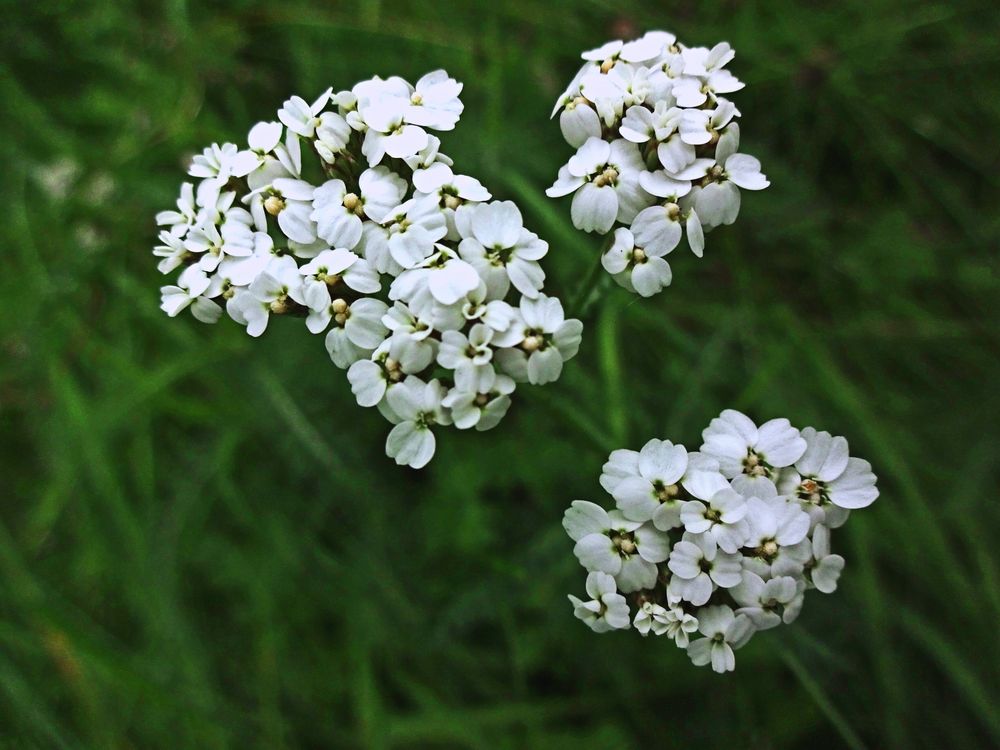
<point x="429" y="294"/>
<point x="657" y="152"/>
<point x="712" y="546"/>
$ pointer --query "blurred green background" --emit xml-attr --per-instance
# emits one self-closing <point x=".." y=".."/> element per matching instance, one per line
<point x="202" y="544"/>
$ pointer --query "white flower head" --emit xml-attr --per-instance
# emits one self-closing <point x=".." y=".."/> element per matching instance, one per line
<point x="698" y="544"/>
<point x="656" y="143"/>
<point x="461" y="317"/>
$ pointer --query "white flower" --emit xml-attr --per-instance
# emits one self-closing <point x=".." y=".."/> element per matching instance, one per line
<point x="434" y="102"/>
<point x="579" y="121"/>
<point x="671" y="107"/>
<point x="418" y="406"/>
<point x="776" y="526"/>
<point x="623" y="86"/>
<point x="610" y="543"/>
<point x="722" y="517"/>
<point x="327" y="270"/>
<point x="680" y="625"/>
<point x="496" y="313"/>
<point x="658" y="229"/>
<point x="190" y="285"/>
<point x="677" y="157"/>
<point x="471" y="308"/>
<point x="741" y="447"/>
<point x="302" y="118"/>
<point x="370" y="378"/>
<point x="359" y="321"/>
<point x="338" y="213"/>
<point x="428" y="156"/>
<point x="172" y="251"/>
<point x="759" y="599"/>
<point x="607" y="176"/>
<point x="647" y="47"/>
<point x="183" y="218"/>
<point x="480" y="409"/>
<point x="451" y="191"/>
<point x="606" y="610"/>
<point x="501" y="249"/>
<point x="290" y="200"/>
<point x="222" y="162"/>
<point x="273" y="162"/>
<point x="827" y="481"/>
<point x="724" y="632"/>
<point x="699" y="566"/>
<point x="388" y="133"/>
<point x="701" y="61"/>
<point x="543" y="338"/>
<point x="275" y="289"/>
<point x="331" y="267"/>
<point x="263" y="140"/>
<point x="393" y="90"/>
<point x="634" y="268"/>
<point x="470" y="357"/>
<point x="413" y="228"/>
<point x="824" y="568"/>
<point x="652" y="484"/>
<point x="411" y="345"/>
<point x="442" y="279"/>
<point x="651" y="617"/>
<point x="332" y="136"/>
<point x="242" y="270"/>
<point x="248" y="311"/>
<point x="718" y="201"/>
<point x="700" y="126"/>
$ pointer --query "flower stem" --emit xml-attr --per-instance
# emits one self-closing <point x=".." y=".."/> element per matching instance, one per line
<point x="590" y="281"/>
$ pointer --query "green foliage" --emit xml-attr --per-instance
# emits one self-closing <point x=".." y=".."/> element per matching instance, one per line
<point x="202" y="544"/>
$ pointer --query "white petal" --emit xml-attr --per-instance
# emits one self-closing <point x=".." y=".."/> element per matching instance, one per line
<point x="596" y="552"/>
<point x="544" y="366"/>
<point x="650" y="277"/>
<point x="855" y="488"/>
<point x="367" y="382"/>
<point x="745" y="171"/>
<point x="410" y="445"/>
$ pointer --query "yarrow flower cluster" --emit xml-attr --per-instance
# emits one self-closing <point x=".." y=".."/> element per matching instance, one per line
<point x="657" y="152"/>
<point x="710" y="547"/>
<point x="429" y="293"/>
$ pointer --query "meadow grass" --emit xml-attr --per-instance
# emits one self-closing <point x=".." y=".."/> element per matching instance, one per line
<point x="202" y="544"/>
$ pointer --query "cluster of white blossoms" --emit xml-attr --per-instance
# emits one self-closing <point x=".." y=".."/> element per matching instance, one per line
<point x="344" y="212"/>
<point x="710" y="547"/>
<point x="657" y="152"/>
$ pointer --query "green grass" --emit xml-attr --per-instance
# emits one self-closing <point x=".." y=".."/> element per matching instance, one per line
<point x="202" y="544"/>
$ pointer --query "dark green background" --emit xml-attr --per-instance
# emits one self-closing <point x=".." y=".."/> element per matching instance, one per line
<point x="202" y="544"/>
